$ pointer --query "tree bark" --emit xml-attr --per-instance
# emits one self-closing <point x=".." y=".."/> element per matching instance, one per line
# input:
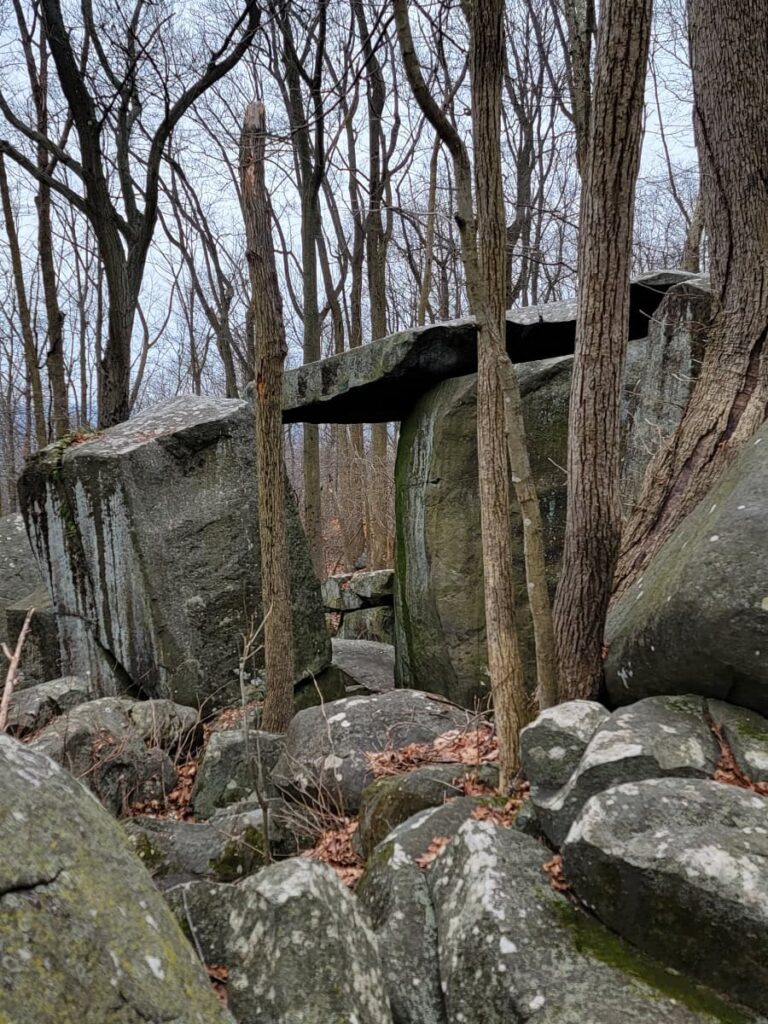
<point x="593" y="520"/>
<point x="486" y="18"/>
<point x="270" y="351"/>
<point x="27" y="332"/>
<point x="729" y="55"/>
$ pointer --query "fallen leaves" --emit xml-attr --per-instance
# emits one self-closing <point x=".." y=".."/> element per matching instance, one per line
<point x="177" y="805"/>
<point x="335" y="847"/>
<point x="728" y="770"/>
<point x="218" y="975"/>
<point x="557" y="879"/>
<point x="433" y="851"/>
<point x="499" y="813"/>
<point x="469" y="746"/>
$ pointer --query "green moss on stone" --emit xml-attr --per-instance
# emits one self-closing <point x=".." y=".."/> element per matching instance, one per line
<point x="594" y="940"/>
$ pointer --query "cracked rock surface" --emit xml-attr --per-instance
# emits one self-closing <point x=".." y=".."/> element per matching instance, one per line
<point x="85" y="938"/>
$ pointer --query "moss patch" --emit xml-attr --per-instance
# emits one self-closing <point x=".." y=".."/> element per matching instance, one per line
<point x="591" y="939"/>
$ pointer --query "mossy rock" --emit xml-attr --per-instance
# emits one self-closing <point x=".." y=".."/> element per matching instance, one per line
<point x="391" y="800"/>
<point x="86" y="937"/>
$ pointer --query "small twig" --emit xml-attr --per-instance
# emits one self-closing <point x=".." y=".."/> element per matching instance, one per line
<point x="13" y="668"/>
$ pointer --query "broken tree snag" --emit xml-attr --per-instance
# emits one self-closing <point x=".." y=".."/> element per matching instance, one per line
<point x="729" y="51"/>
<point x="270" y="350"/>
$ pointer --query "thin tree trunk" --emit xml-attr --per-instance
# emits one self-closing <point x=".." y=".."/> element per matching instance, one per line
<point x="27" y="333"/>
<point x="729" y="55"/>
<point x="270" y="351"/>
<point x="54" y="359"/>
<point x="593" y="521"/>
<point x="504" y="662"/>
<point x="429" y="235"/>
<point x="692" y="249"/>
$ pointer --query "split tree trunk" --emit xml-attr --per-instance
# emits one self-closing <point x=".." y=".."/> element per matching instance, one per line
<point x="729" y="56"/>
<point x="270" y="352"/>
<point x="593" y="520"/>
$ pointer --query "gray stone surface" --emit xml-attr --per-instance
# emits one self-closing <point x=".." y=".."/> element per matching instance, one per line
<point x="349" y="591"/>
<point x="678" y="867"/>
<point x="148" y="535"/>
<point x="301" y="951"/>
<point x="375" y="624"/>
<point x="393" y="799"/>
<point x="395" y="895"/>
<point x="673" y="354"/>
<point x="34" y="707"/>
<point x="696" y="621"/>
<point x="326" y="746"/>
<point x="552" y="745"/>
<point x="224" y="850"/>
<point x="746" y="733"/>
<point x="653" y="738"/>
<point x="511" y="950"/>
<point x="202" y="910"/>
<point x="41" y="655"/>
<point x="439" y="611"/>
<point x="232" y="768"/>
<point x="120" y="748"/>
<point x="84" y="934"/>
<point x="366" y="664"/>
<point x="19" y="572"/>
<point x="382" y="380"/>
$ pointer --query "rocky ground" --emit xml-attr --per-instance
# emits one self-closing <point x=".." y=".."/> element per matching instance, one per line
<point x="362" y="868"/>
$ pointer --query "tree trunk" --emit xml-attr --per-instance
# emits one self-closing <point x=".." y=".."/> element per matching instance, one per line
<point x="270" y="352"/>
<point x="27" y="332"/>
<point x="114" y="377"/>
<point x="55" y="335"/>
<point x="729" y="55"/>
<point x="593" y="521"/>
<point x="504" y="663"/>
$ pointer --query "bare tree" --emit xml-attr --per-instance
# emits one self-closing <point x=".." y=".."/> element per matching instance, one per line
<point x="103" y="82"/>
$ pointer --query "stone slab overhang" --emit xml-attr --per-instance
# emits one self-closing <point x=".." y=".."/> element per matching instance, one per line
<point x="380" y="382"/>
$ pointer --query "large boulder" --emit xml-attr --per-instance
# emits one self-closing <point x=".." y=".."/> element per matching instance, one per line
<point x="234" y="765"/>
<point x="224" y="850"/>
<point x="439" y="611"/>
<point x="19" y="571"/>
<point x="696" y="621"/>
<point x="301" y="952"/>
<point x="653" y="738"/>
<point x="84" y="934"/>
<point x="393" y="799"/>
<point x="677" y="867"/>
<point x="41" y="654"/>
<point x="119" y="748"/>
<point x="36" y="706"/>
<point x="553" y="744"/>
<point x="148" y="533"/>
<point x="325" y="751"/>
<point x="671" y="363"/>
<point x="373" y="624"/>
<point x="440" y="640"/>
<point x="511" y="949"/>
<point x="366" y="666"/>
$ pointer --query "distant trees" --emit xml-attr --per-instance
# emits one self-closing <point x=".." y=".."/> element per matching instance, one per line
<point x="120" y="85"/>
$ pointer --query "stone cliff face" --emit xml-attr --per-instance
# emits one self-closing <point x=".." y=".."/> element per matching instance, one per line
<point x="149" y="537"/>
